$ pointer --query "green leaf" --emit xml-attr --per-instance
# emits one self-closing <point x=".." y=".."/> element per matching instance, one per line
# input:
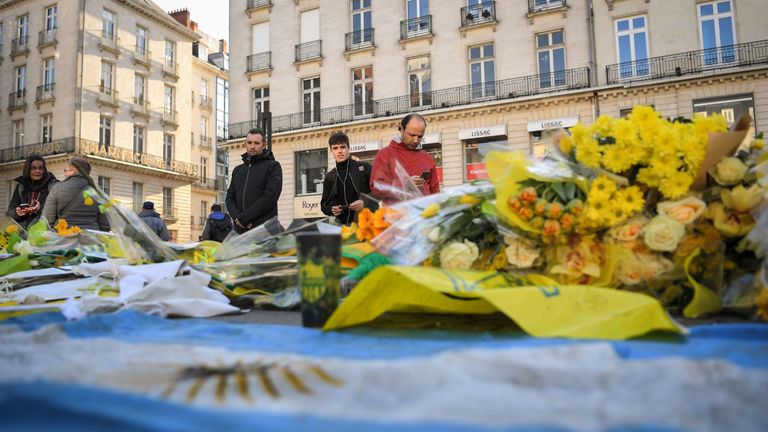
<point x="570" y="191"/>
<point x="560" y="191"/>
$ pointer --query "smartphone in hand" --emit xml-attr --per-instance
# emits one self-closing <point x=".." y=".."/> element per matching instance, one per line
<point x="23" y="205"/>
<point x="425" y="175"/>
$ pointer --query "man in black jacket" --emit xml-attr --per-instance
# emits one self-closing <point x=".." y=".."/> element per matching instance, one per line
<point x="344" y="185"/>
<point x="255" y="185"/>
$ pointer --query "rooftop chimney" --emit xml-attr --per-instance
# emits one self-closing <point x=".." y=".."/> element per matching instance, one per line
<point x="182" y="16"/>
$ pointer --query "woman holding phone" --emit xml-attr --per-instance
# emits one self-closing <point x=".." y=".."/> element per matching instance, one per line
<point x="30" y="192"/>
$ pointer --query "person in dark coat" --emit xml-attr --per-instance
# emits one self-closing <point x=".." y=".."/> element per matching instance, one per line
<point x="255" y="186"/>
<point x="65" y="201"/>
<point x="344" y="185"/>
<point x="30" y="192"/>
<point x="218" y="225"/>
<point x="152" y="218"/>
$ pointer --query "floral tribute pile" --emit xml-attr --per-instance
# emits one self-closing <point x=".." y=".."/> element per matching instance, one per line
<point x="674" y="209"/>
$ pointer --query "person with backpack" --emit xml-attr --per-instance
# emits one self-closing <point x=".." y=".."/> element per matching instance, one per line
<point x="218" y="225"/>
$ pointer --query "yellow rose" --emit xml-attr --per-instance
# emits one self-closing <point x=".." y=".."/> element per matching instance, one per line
<point x="642" y="267"/>
<point x="663" y="233"/>
<point x="741" y="199"/>
<point x="685" y="211"/>
<point x="630" y="230"/>
<point x="522" y="253"/>
<point x="729" y="171"/>
<point x="459" y="255"/>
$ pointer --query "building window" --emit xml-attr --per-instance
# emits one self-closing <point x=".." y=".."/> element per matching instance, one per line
<point x="482" y="75"/>
<point x="105" y="132"/>
<point x="108" y="24"/>
<point x="49" y="73"/>
<point x="717" y="32"/>
<point x="420" y="81"/>
<point x="475" y="151"/>
<point x="106" y="77"/>
<point x="361" y="22"/>
<point x="311" y="93"/>
<point x="20" y="85"/>
<point x="141" y="40"/>
<point x="310" y="171"/>
<point x="203" y="212"/>
<point x="138" y="139"/>
<point x="203" y="89"/>
<point x="550" y="50"/>
<point x="18" y="133"/>
<point x="170" y="53"/>
<point x="169" y="99"/>
<point x="203" y="129"/>
<point x="137" y="196"/>
<point x="140" y="89"/>
<point x="540" y="5"/>
<point x="222" y="107"/>
<point x="50" y="18"/>
<point x="632" y="44"/>
<point x="203" y="168"/>
<point x="22" y="23"/>
<point x="168" y="201"/>
<point x="46" y="128"/>
<point x="167" y="149"/>
<point x="104" y="184"/>
<point x="730" y="107"/>
<point x="362" y="90"/>
<point x="260" y="103"/>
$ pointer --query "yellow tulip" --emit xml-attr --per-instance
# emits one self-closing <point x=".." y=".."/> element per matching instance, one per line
<point x="430" y="211"/>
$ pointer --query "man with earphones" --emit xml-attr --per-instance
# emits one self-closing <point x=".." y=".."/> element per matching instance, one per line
<point x="344" y="185"/>
<point x="406" y="150"/>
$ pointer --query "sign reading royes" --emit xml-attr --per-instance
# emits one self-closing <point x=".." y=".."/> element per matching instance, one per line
<point x="307" y="207"/>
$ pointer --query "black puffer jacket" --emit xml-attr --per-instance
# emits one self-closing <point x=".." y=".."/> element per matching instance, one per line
<point x="254" y="189"/>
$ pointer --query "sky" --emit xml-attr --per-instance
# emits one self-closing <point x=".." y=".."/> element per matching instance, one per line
<point x="212" y="16"/>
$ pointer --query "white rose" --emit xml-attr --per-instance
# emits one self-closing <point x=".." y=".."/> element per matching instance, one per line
<point x="663" y="233"/>
<point x="458" y="255"/>
<point x="729" y="171"/>
<point x="521" y="253"/>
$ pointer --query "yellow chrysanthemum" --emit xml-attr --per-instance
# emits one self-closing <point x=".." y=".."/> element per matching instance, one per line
<point x="604" y="126"/>
<point x="603" y="186"/>
<point x="614" y="159"/>
<point x="630" y="199"/>
<point x="588" y="153"/>
<point x="676" y="185"/>
<point x="12" y="229"/>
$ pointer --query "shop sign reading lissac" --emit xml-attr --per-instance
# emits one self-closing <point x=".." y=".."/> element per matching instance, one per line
<point x="431" y="138"/>
<point x="305" y="207"/>
<point x="555" y="123"/>
<point x="480" y="133"/>
<point x="365" y="147"/>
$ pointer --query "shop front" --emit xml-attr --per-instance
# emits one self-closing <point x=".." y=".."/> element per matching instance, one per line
<point x="477" y="143"/>
<point x="540" y="133"/>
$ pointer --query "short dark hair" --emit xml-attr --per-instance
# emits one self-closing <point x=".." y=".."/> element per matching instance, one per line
<point x="215" y="208"/>
<point x="338" y="138"/>
<point x="148" y="205"/>
<point x="407" y="119"/>
<point x="255" y="131"/>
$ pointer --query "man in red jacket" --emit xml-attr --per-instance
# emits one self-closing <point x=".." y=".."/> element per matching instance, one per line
<point x="405" y="150"/>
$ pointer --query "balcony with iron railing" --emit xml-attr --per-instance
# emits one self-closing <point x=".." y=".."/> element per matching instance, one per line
<point x="45" y="93"/>
<point x="206" y="142"/>
<point x="478" y="14"/>
<point x="140" y="107"/>
<point x="46" y="38"/>
<point x="20" y="46"/>
<point x="308" y="51"/>
<point x="17" y="100"/>
<point x="254" y="5"/>
<point x="205" y="183"/>
<point x="570" y="79"/>
<point x="416" y="27"/>
<point x="109" y="96"/>
<point x="142" y="56"/>
<point x="535" y="6"/>
<point x="259" y="62"/>
<point x="689" y="63"/>
<point x="170" y="118"/>
<point x="358" y="40"/>
<point x="109" y="42"/>
<point x="206" y="102"/>
<point x="171" y="69"/>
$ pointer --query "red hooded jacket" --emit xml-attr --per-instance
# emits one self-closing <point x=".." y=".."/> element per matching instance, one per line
<point x="413" y="161"/>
